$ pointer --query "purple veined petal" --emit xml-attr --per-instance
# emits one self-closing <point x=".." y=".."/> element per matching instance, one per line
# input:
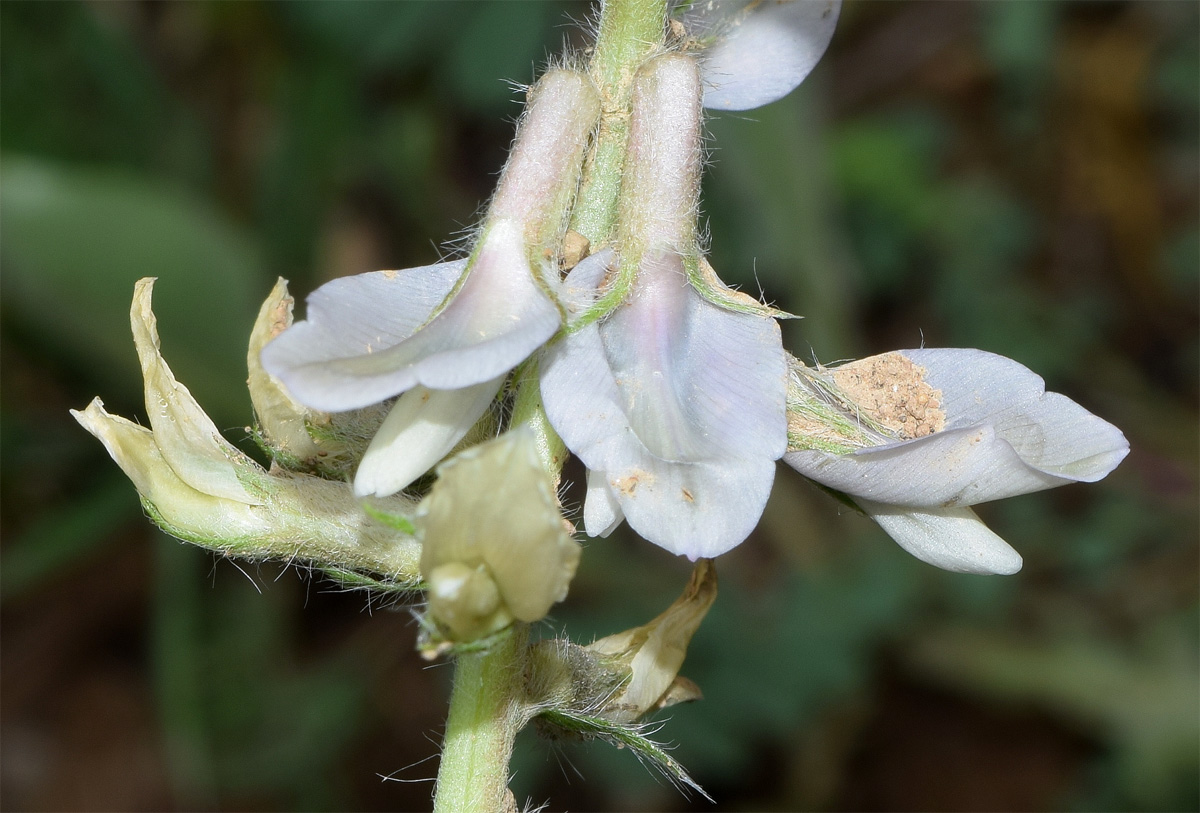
<point x="762" y="50"/>
<point x="696" y="381"/>
<point x="1050" y="432"/>
<point x="351" y="352"/>
<point x="422" y="428"/>
<point x="601" y="511"/>
<point x="680" y="404"/>
<point x="950" y="538"/>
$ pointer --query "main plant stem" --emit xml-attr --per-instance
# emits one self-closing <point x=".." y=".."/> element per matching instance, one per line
<point x="486" y="712"/>
<point x="487" y="704"/>
<point x="630" y="32"/>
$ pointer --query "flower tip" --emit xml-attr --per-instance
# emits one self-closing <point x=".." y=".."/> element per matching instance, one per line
<point x="954" y="539"/>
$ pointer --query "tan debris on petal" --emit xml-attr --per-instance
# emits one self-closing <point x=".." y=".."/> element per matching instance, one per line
<point x="575" y="248"/>
<point x="892" y="390"/>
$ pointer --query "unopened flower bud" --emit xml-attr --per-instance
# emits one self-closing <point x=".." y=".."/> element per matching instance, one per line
<point x="494" y="545"/>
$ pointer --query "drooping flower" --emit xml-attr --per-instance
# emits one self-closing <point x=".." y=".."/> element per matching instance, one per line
<point x="669" y="386"/>
<point x="198" y="487"/>
<point x="752" y="52"/>
<point x="444" y="336"/>
<point x="916" y="437"/>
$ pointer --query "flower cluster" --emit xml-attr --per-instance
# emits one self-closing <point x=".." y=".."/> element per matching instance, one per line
<point x="671" y="388"/>
<point x="668" y="385"/>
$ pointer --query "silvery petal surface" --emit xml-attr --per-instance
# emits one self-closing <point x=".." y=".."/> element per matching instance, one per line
<point x="680" y="404"/>
<point x="759" y="51"/>
<point x="696" y="381"/>
<point x="1050" y="432"/>
<point x="423" y="426"/>
<point x="601" y="511"/>
<point x="950" y="538"/>
<point x="368" y="339"/>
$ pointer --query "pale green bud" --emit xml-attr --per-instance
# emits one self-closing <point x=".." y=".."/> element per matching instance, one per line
<point x="297" y="437"/>
<point x="495" y="546"/>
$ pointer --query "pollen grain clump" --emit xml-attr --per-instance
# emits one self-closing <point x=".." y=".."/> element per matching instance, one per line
<point x="892" y="390"/>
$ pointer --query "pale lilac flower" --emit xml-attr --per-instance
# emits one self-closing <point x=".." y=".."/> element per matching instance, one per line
<point x="939" y="430"/>
<point x="670" y="387"/>
<point x="444" y="336"/>
<point x="754" y="52"/>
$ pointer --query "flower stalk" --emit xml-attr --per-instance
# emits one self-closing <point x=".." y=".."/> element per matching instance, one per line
<point x="630" y="32"/>
<point x="486" y="712"/>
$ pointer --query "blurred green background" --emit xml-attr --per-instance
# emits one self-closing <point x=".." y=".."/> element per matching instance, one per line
<point x="1020" y="177"/>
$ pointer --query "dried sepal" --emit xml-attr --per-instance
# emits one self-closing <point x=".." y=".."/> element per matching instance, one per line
<point x="653" y="653"/>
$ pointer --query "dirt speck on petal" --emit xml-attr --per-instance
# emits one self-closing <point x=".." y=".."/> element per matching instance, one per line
<point x="891" y="389"/>
<point x="629" y="483"/>
<point x="575" y="248"/>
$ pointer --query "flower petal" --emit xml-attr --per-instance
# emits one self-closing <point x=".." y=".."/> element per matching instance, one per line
<point x="696" y="381"/>
<point x="364" y="341"/>
<point x="680" y="404"/>
<point x="423" y="427"/>
<point x="761" y="51"/>
<point x="1049" y="431"/>
<point x="697" y="510"/>
<point x="954" y="467"/>
<point x="581" y="286"/>
<point x="950" y="538"/>
<point x="601" y="511"/>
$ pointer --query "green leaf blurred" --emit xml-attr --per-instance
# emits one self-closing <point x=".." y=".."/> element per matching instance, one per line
<point x="76" y="240"/>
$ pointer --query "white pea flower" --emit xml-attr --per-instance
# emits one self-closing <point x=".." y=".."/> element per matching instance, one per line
<point x="444" y="336"/>
<point x="670" y="387"/>
<point x="915" y="437"/>
<point x="752" y="52"/>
